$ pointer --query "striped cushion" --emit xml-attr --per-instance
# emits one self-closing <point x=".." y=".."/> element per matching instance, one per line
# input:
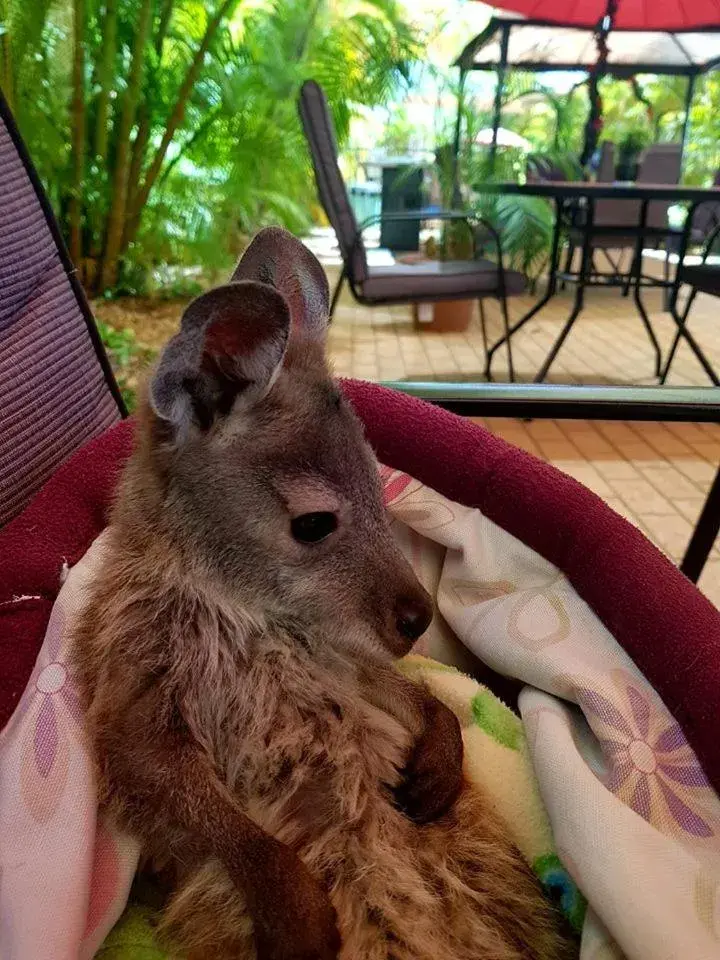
<point x="54" y="393"/>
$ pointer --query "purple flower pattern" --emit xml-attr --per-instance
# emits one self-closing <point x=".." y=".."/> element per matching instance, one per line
<point x="50" y="703"/>
<point x="650" y="765"/>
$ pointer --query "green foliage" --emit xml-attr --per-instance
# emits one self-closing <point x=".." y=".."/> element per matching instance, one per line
<point x="398" y="133"/>
<point x="636" y="113"/>
<point x="35" y="67"/>
<point x="165" y="155"/>
<point x="526" y="225"/>
<point x="567" y="163"/>
<point x="703" y="151"/>
<point x="553" y="122"/>
<point x="176" y="150"/>
<point x="646" y="110"/>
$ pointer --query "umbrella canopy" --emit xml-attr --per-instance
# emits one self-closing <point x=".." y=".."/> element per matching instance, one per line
<point x="630" y="15"/>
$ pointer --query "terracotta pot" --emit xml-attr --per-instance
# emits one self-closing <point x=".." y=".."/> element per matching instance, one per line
<point x="444" y="316"/>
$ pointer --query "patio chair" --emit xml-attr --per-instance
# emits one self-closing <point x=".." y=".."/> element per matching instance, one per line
<point x="605" y="174"/>
<point x="540" y="167"/>
<point x="400" y="283"/>
<point x="660" y="163"/>
<point x="606" y="167"/>
<point x="56" y="387"/>
<point x="703" y="277"/>
<point x="705" y="219"/>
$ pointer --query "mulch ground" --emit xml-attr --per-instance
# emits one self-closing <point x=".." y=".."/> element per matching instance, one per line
<point x="152" y="321"/>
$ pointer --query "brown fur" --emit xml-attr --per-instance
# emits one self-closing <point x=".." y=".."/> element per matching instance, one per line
<point x="247" y="719"/>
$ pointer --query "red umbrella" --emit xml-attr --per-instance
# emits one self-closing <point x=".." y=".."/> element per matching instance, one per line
<point x="631" y="14"/>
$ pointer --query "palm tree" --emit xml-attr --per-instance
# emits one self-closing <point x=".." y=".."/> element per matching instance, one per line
<point x="158" y="123"/>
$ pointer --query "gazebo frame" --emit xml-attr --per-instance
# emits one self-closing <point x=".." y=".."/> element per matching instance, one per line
<point x="500" y="28"/>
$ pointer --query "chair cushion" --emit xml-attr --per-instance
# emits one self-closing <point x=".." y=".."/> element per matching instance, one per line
<point x="437" y="280"/>
<point x="705" y="277"/>
<point x="320" y="133"/>
<point x="56" y="389"/>
<point x="602" y="241"/>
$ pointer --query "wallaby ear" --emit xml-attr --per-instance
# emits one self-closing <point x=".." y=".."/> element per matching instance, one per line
<point x="231" y="344"/>
<point x="278" y="258"/>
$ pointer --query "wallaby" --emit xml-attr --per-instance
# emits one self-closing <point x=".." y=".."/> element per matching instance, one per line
<point x="236" y="659"/>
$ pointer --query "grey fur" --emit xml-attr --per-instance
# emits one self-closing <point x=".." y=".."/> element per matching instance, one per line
<point x="278" y="258"/>
<point x="287" y="438"/>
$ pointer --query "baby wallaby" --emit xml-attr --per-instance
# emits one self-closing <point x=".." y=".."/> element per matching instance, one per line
<point x="236" y="659"/>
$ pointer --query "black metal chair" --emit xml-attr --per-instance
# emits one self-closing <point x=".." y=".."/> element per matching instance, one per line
<point x="705" y="218"/>
<point x="400" y="283"/>
<point x="660" y="163"/>
<point x="703" y="277"/>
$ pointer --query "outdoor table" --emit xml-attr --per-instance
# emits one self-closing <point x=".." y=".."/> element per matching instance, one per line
<point x="566" y="195"/>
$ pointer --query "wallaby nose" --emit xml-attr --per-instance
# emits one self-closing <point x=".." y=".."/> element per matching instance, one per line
<point x="414" y="616"/>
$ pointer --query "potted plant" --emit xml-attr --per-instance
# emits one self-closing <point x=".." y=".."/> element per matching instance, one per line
<point x="455" y="242"/>
<point x="629" y="149"/>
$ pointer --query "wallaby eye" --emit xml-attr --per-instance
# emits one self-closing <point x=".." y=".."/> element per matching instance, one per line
<point x="313" y="527"/>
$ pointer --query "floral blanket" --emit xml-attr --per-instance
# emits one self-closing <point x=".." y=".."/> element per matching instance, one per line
<point x="596" y="779"/>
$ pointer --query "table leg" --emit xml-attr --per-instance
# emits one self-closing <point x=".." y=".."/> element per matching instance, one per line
<point x="549" y="293"/>
<point x="666" y="274"/>
<point x="637" y="277"/>
<point x="704" y="535"/>
<point x="585" y="267"/>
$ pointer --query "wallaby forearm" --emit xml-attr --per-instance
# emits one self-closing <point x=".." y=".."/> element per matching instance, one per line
<point x="404" y="700"/>
<point x="160" y="771"/>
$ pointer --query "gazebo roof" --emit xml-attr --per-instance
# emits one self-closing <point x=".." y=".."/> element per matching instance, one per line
<point x="537" y="46"/>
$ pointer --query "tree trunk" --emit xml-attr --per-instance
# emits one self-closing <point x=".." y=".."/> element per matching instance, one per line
<point x="558" y="127"/>
<point x="105" y="78"/>
<point x="176" y="116"/>
<point x="118" y="206"/>
<point x="142" y="137"/>
<point x="139" y="147"/>
<point x="78" y="132"/>
<point x="164" y="23"/>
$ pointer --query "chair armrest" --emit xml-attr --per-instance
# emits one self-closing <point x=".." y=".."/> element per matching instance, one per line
<point x="552" y="401"/>
<point x="472" y="220"/>
<point x="429" y="213"/>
